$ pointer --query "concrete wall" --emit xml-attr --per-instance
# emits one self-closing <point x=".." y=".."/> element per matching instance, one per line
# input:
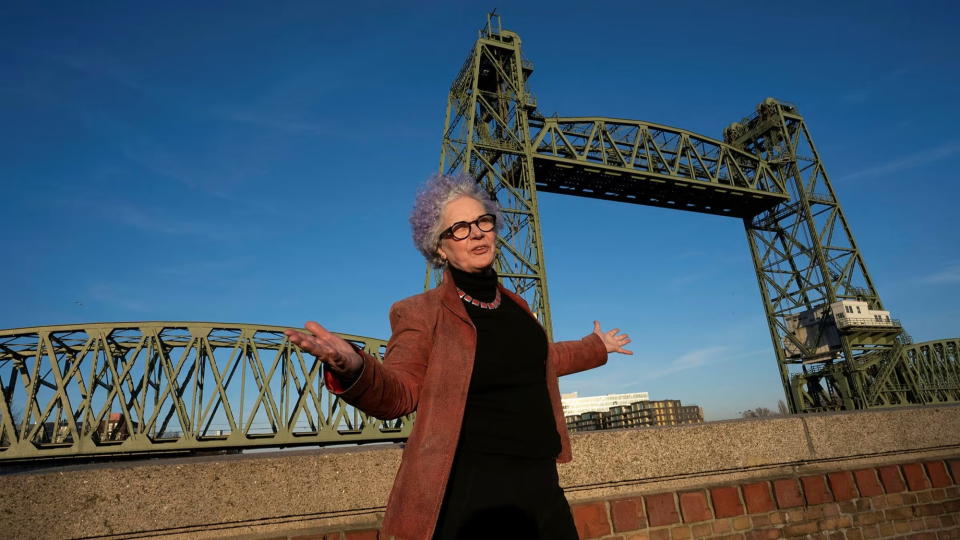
<point x="618" y="479"/>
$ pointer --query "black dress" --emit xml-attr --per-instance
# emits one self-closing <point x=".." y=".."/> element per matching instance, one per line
<point x="504" y="483"/>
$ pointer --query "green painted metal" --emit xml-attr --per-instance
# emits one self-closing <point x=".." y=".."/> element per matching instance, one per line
<point x="651" y="164"/>
<point x="156" y="387"/>
<point x="766" y="172"/>
<point x="806" y="260"/>
<point x="486" y="135"/>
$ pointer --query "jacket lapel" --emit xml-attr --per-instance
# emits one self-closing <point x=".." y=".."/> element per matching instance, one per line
<point x="450" y="299"/>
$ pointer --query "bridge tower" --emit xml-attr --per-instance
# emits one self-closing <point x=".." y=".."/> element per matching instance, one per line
<point x="836" y="346"/>
<point x="486" y="135"/>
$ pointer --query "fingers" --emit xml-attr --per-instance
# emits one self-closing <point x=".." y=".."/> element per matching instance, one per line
<point x="327" y="347"/>
<point x="596" y="327"/>
<point x="319" y="342"/>
<point x="317" y="330"/>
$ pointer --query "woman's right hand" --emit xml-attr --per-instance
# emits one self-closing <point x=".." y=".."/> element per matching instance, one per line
<point x="339" y="356"/>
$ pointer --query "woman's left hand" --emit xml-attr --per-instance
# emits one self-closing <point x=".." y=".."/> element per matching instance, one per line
<point x="613" y="341"/>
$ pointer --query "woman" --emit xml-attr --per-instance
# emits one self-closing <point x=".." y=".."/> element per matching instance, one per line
<point x="472" y="360"/>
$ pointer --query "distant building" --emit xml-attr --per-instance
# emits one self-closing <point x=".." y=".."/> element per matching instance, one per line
<point x="641" y="413"/>
<point x="573" y="405"/>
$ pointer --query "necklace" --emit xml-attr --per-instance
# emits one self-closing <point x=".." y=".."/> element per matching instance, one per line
<point x="485" y="305"/>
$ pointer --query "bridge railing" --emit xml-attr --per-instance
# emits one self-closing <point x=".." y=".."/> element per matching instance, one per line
<point x="156" y="387"/>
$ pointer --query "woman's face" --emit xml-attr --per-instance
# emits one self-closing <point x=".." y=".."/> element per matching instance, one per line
<point x="476" y="251"/>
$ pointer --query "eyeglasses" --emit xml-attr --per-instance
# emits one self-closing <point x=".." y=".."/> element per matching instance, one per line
<point x="461" y="229"/>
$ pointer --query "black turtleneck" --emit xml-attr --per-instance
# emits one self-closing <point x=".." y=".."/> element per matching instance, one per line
<point x="508" y="407"/>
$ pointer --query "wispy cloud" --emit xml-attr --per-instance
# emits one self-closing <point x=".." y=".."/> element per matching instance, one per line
<point x="113" y="298"/>
<point x="948" y="149"/>
<point x="611" y="381"/>
<point x="866" y="91"/>
<point x="950" y="274"/>
<point x="154" y="220"/>
<point x="97" y="64"/>
<point x="690" y="360"/>
<point x="278" y="122"/>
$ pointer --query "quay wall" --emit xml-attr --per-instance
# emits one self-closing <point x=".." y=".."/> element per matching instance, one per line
<point x="856" y="475"/>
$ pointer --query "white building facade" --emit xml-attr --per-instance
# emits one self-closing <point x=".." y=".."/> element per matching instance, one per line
<point x="573" y="405"/>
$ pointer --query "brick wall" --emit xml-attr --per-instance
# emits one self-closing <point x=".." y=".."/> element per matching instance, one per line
<point x="862" y="474"/>
<point x="918" y="501"/>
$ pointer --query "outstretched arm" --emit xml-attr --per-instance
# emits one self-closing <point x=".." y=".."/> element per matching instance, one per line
<point x="385" y="390"/>
<point x="575" y="356"/>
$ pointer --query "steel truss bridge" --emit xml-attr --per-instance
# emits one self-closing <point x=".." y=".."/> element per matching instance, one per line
<point x="151" y="387"/>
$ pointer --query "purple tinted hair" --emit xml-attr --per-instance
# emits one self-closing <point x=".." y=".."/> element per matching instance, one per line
<point x="431" y="199"/>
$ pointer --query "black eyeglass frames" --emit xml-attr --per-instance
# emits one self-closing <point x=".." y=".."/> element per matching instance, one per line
<point x="461" y="229"/>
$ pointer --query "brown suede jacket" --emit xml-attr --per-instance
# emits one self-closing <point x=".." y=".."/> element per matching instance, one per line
<point x="427" y="368"/>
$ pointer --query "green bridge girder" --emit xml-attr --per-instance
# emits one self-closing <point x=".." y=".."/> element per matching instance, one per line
<point x="651" y="164"/>
<point x="166" y="387"/>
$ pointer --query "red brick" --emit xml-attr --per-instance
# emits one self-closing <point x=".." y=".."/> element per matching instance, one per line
<point x="702" y="530"/>
<point x="955" y="471"/>
<point x="693" y="506"/>
<point x="931" y="509"/>
<point x="813" y="512"/>
<point x="680" y="533"/>
<point x="898" y="513"/>
<point x="757" y="497"/>
<point x="763" y="534"/>
<point x="867" y="482"/>
<point x="937" y="471"/>
<point x="369" y="534"/>
<point x="800" y="529"/>
<point x="815" y="489"/>
<point x="891" y="479"/>
<point x="726" y="501"/>
<point x="722" y="526"/>
<point x="788" y="492"/>
<point x="842" y="485"/>
<point x="627" y="514"/>
<point x="660" y="534"/>
<point x="916" y="479"/>
<point x="591" y="519"/>
<point x="662" y="509"/>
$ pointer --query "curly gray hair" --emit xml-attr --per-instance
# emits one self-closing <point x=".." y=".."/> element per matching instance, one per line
<point x="431" y="199"/>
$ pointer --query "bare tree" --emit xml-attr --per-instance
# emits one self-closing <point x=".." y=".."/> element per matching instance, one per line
<point x="759" y="412"/>
<point x="782" y="407"/>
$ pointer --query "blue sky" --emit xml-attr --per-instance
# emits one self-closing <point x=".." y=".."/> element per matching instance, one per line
<point x="256" y="162"/>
